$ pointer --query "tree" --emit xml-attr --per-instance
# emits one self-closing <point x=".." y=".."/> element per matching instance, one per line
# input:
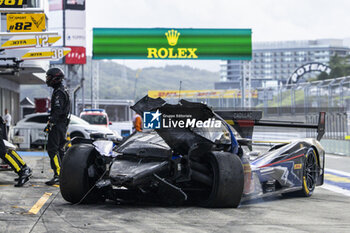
<point x="340" y="67"/>
<point x="323" y="76"/>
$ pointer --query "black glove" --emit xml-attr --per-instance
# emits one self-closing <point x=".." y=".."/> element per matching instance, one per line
<point x="48" y="128"/>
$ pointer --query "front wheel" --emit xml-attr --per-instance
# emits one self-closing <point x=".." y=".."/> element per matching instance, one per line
<point x="227" y="175"/>
<point x="75" y="183"/>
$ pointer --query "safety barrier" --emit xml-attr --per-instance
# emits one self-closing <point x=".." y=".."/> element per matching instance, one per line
<point x="338" y="147"/>
<point x="25" y="138"/>
<point x="336" y="125"/>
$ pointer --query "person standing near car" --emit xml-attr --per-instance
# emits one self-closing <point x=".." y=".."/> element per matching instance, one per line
<point x="137" y="123"/>
<point x="58" y="121"/>
<point x="7" y="119"/>
<point x="13" y="159"/>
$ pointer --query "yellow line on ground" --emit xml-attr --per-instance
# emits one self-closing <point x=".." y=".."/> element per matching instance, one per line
<point x="56" y="185"/>
<point x="4" y="185"/>
<point x="37" y="206"/>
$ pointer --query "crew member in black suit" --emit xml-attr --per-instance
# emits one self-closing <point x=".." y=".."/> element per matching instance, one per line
<point x="58" y="121"/>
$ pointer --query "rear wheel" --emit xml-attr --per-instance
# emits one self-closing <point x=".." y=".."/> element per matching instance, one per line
<point x="75" y="183"/>
<point x="226" y="178"/>
<point x="310" y="173"/>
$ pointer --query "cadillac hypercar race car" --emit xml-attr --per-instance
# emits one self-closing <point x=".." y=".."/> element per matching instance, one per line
<point x="192" y="155"/>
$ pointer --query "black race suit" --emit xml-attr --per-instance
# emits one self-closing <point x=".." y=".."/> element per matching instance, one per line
<point x="60" y="109"/>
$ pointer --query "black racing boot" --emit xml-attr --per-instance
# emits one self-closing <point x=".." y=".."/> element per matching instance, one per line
<point x="23" y="176"/>
<point x="53" y="181"/>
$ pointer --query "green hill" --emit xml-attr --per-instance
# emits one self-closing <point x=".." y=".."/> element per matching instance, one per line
<point x="118" y="81"/>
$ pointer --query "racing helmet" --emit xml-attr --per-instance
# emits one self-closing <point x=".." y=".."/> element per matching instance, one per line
<point x="54" y="76"/>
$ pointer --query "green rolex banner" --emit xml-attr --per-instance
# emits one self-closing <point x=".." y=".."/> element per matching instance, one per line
<point x="172" y="43"/>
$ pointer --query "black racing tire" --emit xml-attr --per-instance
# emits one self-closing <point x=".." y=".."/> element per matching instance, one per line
<point x="310" y="174"/>
<point x="75" y="182"/>
<point x="228" y="180"/>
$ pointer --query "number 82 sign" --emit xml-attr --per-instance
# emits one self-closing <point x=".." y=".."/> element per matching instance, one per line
<point x="26" y="22"/>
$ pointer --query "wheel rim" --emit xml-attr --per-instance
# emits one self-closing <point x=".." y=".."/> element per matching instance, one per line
<point x="311" y="170"/>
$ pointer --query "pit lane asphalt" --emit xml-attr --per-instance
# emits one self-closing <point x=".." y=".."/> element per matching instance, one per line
<point x="325" y="211"/>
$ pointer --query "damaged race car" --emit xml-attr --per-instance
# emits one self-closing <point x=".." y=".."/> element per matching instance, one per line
<point x="192" y="155"/>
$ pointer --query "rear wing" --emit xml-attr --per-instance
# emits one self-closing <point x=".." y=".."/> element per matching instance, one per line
<point x="244" y="121"/>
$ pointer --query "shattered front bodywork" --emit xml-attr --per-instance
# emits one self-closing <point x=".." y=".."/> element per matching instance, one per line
<point x="151" y="151"/>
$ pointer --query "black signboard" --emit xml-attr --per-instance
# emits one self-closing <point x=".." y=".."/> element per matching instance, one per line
<point x="74" y="4"/>
<point x="12" y="3"/>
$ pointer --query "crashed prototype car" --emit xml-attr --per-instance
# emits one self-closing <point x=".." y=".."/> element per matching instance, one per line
<point x="188" y="163"/>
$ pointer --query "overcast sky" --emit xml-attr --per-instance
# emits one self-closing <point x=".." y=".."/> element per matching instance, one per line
<point x="270" y="20"/>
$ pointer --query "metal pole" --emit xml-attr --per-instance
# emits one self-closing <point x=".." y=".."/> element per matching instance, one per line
<point x="342" y="93"/>
<point x="92" y="82"/>
<point x="135" y="85"/>
<point x="265" y="101"/>
<point x="249" y="85"/>
<point x="278" y="98"/>
<point x="330" y="94"/>
<point x="319" y="96"/>
<point x="82" y="86"/>
<point x="77" y="88"/>
<point x="243" y="90"/>
<point x="292" y="99"/>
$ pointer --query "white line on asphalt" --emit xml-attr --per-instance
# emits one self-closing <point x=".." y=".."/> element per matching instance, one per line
<point x="336" y="189"/>
<point x="337" y="172"/>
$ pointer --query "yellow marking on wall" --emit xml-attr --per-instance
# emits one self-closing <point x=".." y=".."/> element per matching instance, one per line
<point x="335" y="178"/>
<point x="30" y="42"/>
<point x="50" y="53"/>
<point x="201" y="94"/>
<point x="37" y="206"/>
